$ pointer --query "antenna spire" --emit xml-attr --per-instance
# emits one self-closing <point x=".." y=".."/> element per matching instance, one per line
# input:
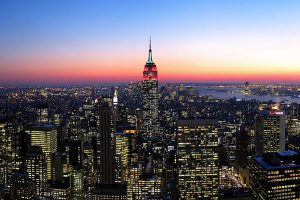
<point x="150" y="53"/>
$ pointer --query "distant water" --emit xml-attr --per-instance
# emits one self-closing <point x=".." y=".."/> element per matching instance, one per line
<point x="227" y="93"/>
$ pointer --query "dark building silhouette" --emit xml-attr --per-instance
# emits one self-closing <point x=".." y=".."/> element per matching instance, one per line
<point x="105" y="145"/>
<point x="76" y="153"/>
<point x="21" y="187"/>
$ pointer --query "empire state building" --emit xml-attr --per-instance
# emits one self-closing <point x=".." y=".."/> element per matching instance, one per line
<point x="150" y="126"/>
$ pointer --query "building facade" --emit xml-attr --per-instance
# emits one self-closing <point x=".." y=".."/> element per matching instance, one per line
<point x="270" y="131"/>
<point x="197" y="158"/>
<point x="276" y="175"/>
<point x="150" y="126"/>
<point x="45" y="136"/>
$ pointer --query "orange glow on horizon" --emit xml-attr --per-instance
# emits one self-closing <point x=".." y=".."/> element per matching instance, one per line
<point x="90" y="69"/>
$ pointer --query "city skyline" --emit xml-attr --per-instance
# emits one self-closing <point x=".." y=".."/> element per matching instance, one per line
<point x="195" y="41"/>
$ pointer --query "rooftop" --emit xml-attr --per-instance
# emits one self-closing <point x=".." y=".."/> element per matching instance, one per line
<point x="42" y="126"/>
<point x="110" y="189"/>
<point x="279" y="160"/>
<point x="194" y="122"/>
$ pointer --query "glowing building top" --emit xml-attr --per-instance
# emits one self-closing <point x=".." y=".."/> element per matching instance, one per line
<point x="150" y="71"/>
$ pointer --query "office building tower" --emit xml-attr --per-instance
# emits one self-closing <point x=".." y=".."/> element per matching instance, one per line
<point x="276" y="175"/>
<point x="88" y="167"/>
<point x="36" y="169"/>
<point x="77" y="184"/>
<point x="143" y="184"/>
<point x="73" y="126"/>
<point x="115" y="109"/>
<point x="57" y="167"/>
<point x="21" y="187"/>
<point x="122" y="156"/>
<point x="42" y="113"/>
<point x="75" y="153"/>
<point x="270" y="131"/>
<point x="293" y="125"/>
<point x="60" y="190"/>
<point x="5" y="153"/>
<point x="197" y="158"/>
<point x="150" y="126"/>
<point x="21" y="143"/>
<point x="45" y="136"/>
<point x="105" y="152"/>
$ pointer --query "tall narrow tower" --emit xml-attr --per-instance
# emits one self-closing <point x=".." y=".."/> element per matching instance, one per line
<point x="150" y="98"/>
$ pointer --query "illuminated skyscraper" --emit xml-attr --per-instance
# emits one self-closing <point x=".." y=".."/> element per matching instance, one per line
<point x="42" y="113"/>
<point x="5" y="153"/>
<point x="197" y="158"/>
<point x="44" y="135"/>
<point x="270" y="131"/>
<point x="276" y="175"/>
<point x="122" y="155"/>
<point x="37" y="169"/>
<point x="77" y="184"/>
<point x="150" y="126"/>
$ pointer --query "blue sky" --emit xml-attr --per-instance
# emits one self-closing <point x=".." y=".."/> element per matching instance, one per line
<point x="185" y="32"/>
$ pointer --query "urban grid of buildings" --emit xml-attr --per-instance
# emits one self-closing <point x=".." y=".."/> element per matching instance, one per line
<point x="147" y="140"/>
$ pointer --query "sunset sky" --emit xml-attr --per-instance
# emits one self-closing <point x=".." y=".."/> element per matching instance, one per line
<point x="73" y="41"/>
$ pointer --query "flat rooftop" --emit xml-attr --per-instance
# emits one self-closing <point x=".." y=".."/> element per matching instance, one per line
<point x="195" y="122"/>
<point x="109" y="189"/>
<point x="279" y="160"/>
<point x="42" y="126"/>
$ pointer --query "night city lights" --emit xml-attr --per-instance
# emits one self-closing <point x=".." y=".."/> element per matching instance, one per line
<point x="149" y="100"/>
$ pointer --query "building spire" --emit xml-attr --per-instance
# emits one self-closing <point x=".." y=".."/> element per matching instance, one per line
<point x="150" y="53"/>
<point x="115" y="98"/>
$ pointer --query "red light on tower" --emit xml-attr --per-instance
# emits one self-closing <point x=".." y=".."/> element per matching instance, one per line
<point x="150" y="70"/>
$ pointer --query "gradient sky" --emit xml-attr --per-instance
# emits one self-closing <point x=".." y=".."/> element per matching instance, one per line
<point x="64" y="41"/>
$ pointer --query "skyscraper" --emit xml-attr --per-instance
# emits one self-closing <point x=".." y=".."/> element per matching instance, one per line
<point x="105" y="153"/>
<point x="122" y="155"/>
<point x="270" y="131"/>
<point x="37" y="169"/>
<point x="197" y="158"/>
<point x="5" y="153"/>
<point x="44" y="135"/>
<point x="150" y="124"/>
<point x="276" y="175"/>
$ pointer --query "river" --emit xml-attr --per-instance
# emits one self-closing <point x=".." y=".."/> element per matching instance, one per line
<point x="227" y="93"/>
